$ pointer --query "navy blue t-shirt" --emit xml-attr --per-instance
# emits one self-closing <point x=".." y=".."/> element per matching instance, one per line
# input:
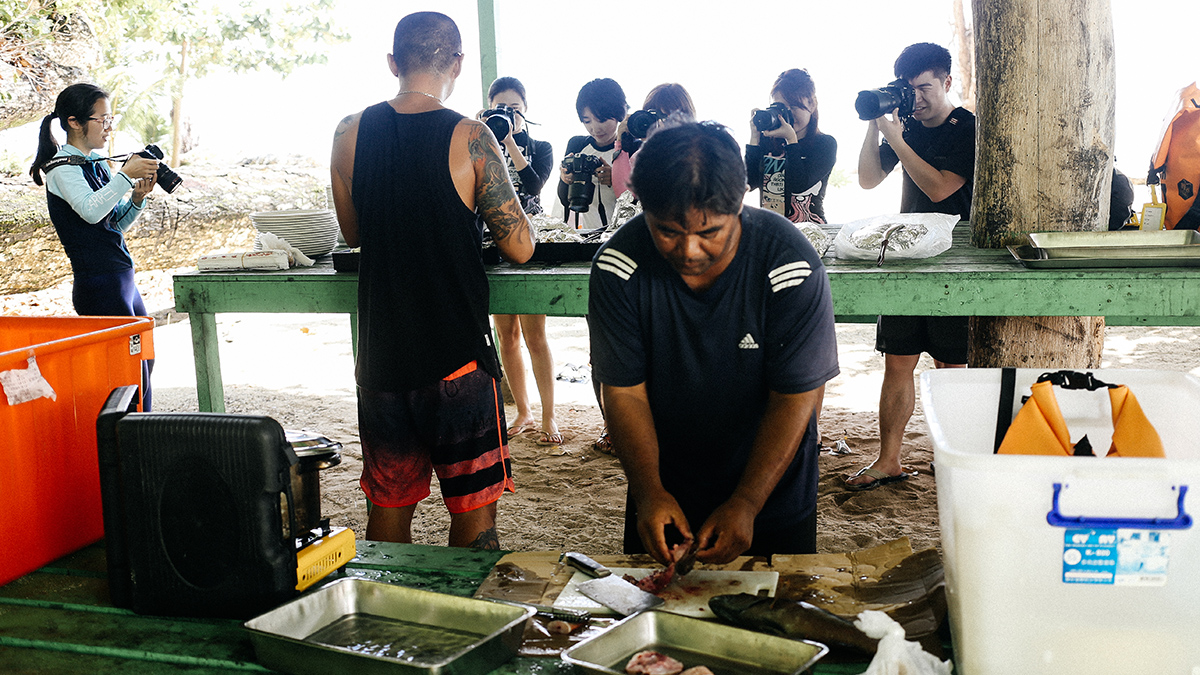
<point x="709" y="359"/>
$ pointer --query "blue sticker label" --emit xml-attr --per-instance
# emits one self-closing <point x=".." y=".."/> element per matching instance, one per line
<point x="1120" y="557"/>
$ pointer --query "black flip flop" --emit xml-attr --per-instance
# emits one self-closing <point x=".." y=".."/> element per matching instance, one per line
<point x="880" y="478"/>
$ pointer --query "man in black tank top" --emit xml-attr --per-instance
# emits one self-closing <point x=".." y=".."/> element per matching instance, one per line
<point x="412" y="180"/>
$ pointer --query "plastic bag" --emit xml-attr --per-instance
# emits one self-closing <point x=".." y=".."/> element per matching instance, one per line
<point x="895" y="655"/>
<point x="922" y="235"/>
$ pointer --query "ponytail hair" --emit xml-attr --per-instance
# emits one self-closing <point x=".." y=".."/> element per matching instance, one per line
<point x="76" y="101"/>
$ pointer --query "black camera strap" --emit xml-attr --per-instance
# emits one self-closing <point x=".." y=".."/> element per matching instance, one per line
<point x="78" y="160"/>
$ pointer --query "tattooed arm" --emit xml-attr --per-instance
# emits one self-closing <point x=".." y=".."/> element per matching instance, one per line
<point x="341" y="174"/>
<point x="495" y="199"/>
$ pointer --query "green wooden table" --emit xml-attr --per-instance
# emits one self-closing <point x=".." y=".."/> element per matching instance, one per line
<point x="964" y="281"/>
<point x="58" y="620"/>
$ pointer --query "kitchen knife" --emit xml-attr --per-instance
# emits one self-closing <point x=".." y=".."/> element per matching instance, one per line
<point x="610" y="590"/>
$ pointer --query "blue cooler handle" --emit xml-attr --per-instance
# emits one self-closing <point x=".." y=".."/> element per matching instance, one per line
<point x="1180" y="522"/>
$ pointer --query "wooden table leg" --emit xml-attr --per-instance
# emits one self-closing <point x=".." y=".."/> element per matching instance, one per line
<point x="210" y="390"/>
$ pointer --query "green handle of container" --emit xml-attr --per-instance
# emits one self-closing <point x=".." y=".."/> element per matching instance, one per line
<point x="1182" y="521"/>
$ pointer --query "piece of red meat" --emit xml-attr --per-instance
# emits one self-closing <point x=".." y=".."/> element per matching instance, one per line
<point x="653" y="663"/>
<point x="655" y="581"/>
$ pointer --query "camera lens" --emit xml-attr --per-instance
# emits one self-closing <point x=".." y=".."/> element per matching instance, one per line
<point x="640" y="122"/>
<point x="499" y="124"/>
<point x="874" y="103"/>
<point x="766" y="120"/>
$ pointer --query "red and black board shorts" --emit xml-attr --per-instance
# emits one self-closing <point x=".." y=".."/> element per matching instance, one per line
<point x="454" y="427"/>
<point x="943" y="337"/>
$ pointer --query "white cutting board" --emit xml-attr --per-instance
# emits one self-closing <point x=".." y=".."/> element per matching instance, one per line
<point x="687" y="595"/>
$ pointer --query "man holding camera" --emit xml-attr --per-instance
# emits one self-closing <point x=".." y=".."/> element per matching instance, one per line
<point x="712" y="334"/>
<point x="936" y="147"/>
<point x="411" y="181"/>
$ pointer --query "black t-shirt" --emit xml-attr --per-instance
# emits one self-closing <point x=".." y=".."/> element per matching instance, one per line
<point x="709" y="359"/>
<point x="422" y="290"/>
<point x="949" y="146"/>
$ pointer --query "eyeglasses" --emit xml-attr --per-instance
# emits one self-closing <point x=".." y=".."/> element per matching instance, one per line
<point x="106" y="121"/>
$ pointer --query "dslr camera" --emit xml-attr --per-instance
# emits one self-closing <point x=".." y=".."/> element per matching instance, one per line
<point x="874" y="103"/>
<point x="772" y="117"/>
<point x="501" y="120"/>
<point x="167" y="179"/>
<point x="581" y="190"/>
<point x="639" y="123"/>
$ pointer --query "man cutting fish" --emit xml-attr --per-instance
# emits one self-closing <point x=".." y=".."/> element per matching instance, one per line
<point x="712" y="334"/>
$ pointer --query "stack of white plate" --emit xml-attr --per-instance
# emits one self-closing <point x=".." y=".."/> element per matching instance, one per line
<point x="313" y="231"/>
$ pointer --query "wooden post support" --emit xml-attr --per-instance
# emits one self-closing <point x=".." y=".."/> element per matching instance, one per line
<point x="488" y="63"/>
<point x="1045" y="122"/>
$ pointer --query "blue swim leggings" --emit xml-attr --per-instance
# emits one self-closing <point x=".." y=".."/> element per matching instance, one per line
<point x="113" y="294"/>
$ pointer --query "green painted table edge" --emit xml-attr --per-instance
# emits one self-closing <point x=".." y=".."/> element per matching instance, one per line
<point x="72" y="592"/>
<point x="963" y="281"/>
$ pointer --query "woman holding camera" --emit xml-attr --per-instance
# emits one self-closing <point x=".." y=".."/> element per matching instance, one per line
<point x="89" y="208"/>
<point x="601" y="107"/>
<point x="530" y="164"/>
<point x="788" y="158"/>
<point x="664" y="100"/>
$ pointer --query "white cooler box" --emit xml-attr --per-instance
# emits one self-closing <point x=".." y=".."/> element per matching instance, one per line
<point x="1063" y="565"/>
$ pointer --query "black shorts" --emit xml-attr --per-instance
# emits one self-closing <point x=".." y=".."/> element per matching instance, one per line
<point x="943" y="337"/>
<point x="454" y="428"/>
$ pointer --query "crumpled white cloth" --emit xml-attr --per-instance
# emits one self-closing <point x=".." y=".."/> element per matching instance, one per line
<point x="271" y="242"/>
<point x="895" y="655"/>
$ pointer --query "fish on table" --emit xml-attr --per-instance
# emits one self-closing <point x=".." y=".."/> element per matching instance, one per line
<point x="791" y="619"/>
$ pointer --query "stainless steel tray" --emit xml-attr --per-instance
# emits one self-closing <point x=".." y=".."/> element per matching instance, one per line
<point x="1119" y="239"/>
<point x="359" y="626"/>
<point x="1044" y="258"/>
<point x="725" y="650"/>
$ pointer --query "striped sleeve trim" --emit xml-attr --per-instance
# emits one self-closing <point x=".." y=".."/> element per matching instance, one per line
<point x="789" y="275"/>
<point x="616" y="262"/>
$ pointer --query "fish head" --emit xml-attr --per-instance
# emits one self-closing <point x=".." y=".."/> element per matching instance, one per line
<point x="746" y="610"/>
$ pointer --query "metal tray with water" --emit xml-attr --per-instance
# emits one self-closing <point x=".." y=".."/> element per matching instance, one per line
<point x="360" y="626"/>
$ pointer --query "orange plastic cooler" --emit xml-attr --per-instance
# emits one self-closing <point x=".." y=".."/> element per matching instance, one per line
<point x="49" y="475"/>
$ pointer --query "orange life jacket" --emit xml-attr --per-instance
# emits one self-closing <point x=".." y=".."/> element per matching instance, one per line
<point x="1176" y="164"/>
<point x="1039" y="427"/>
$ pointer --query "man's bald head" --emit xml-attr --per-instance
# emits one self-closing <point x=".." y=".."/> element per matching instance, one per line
<point x="426" y="42"/>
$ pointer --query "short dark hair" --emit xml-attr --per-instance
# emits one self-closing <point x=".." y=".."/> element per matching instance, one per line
<point x="795" y="85"/>
<point x="604" y="97"/>
<point x="426" y="42"/>
<point x="503" y="84"/>
<point x="668" y="98"/>
<point x="693" y="165"/>
<point x="923" y="56"/>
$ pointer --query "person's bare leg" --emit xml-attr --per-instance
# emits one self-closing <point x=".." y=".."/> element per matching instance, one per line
<point x="533" y="327"/>
<point x="475" y="528"/>
<point x="897" y="399"/>
<point x="508" y="332"/>
<point x="390" y="524"/>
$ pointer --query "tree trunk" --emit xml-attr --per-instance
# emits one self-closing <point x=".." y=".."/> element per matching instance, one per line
<point x="1045" y="78"/>
<point x="177" y="108"/>
<point x="964" y="39"/>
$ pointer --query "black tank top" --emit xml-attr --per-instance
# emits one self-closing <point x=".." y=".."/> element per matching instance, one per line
<point x="422" y="291"/>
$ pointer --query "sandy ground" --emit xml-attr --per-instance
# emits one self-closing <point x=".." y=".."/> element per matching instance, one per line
<point x="299" y="370"/>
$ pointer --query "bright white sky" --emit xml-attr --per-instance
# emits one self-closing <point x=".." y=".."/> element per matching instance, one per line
<point x="727" y="60"/>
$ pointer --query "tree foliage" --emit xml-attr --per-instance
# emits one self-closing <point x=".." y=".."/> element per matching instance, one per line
<point x="150" y="48"/>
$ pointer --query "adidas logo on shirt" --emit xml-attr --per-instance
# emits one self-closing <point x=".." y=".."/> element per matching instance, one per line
<point x="748" y="342"/>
